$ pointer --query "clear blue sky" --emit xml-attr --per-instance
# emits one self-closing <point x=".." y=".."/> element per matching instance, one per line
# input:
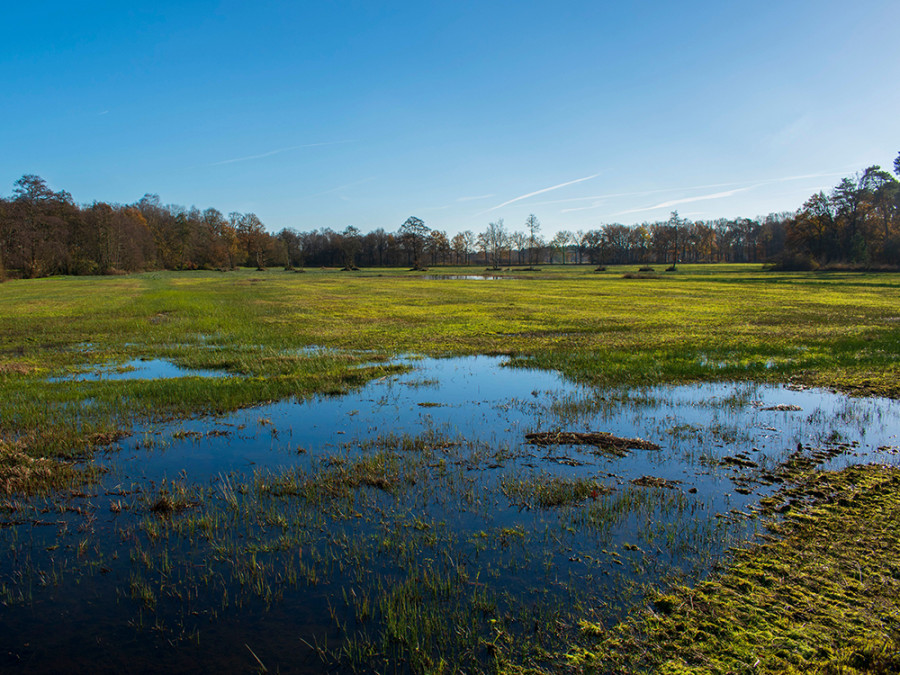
<point x="330" y="113"/>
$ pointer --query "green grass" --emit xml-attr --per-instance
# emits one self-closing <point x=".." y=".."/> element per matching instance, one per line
<point x="700" y="323"/>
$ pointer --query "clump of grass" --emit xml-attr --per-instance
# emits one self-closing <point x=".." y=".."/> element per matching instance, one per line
<point x="172" y="498"/>
<point x="604" y="442"/>
<point x="336" y="476"/>
<point x="546" y="491"/>
<point x="425" y="444"/>
<point x="21" y="472"/>
<point x="656" y="481"/>
<point x="16" y="368"/>
<point x="384" y="471"/>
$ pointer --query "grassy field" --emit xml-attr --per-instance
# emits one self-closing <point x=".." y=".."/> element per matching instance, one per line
<point x="700" y="323"/>
<point x="324" y="331"/>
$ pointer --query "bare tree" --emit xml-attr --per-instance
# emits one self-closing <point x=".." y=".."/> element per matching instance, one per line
<point x="561" y="242"/>
<point x="469" y="238"/>
<point x="533" y="227"/>
<point x="438" y="246"/>
<point x="517" y="241"/>
<point x="495" y="241"/>
<point x="675" y="225"/>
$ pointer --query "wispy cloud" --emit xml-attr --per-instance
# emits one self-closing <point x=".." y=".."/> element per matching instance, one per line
<point x="472" y="199"/>
<point x="687" y="200"/>
<point x="540" y="192"/>
<point x="338" y="188"/>
<point x="600" y="200"/>
<point x="787" y="135"/>
<point x="276" y="152"/>
<point x="584" y="208"/>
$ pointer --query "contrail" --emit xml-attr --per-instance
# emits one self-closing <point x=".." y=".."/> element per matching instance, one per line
<point x="275" y="152"/>
<point x="686" y="200"/>
<point x="539" y="192"/>
<point x="599" y="199"/>
<point x="472" y="199"/>
<point x="644" y="193"/>
<point x="342" y="187"/>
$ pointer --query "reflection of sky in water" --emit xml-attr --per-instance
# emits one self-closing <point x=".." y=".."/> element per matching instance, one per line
<point x="562" y="554"/>
<point x="461" y="277"/>
<point x="478" y="399"/>
<point x="140" y="369"/>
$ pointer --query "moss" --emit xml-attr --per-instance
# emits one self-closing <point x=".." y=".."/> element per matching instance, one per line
<point x="822" y="597"/>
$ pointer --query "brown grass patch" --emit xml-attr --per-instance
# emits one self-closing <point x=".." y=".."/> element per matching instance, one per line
<point x="16" y="368"/>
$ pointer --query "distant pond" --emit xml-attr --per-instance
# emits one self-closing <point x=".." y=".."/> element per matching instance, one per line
<point x="463" y="277"/>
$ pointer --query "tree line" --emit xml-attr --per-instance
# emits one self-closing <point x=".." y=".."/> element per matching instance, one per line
<point x="43" y="232"/>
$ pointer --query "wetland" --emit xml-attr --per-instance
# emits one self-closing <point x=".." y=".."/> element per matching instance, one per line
<point x="246" y="484"/>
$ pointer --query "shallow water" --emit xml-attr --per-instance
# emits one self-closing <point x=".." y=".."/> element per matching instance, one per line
<point x="462" y="277"/>
<point x="480" y="400"/>
<point x="139" y="369"/>
<point x="453" y="433"/>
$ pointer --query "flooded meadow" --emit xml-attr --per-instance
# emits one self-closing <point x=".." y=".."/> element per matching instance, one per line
<point x="462" y="515"/>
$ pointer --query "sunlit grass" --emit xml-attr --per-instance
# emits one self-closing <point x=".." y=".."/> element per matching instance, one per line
<point x="701" y="323"/>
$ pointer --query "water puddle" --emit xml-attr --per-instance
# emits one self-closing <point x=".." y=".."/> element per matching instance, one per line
<point x="139" y="369"/>
<point x="481" y="401"/>
<point x="462" y="277"/>
<point x="411" y="519"/>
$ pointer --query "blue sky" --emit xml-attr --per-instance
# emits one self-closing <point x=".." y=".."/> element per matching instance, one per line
<point x="331" y="113"/>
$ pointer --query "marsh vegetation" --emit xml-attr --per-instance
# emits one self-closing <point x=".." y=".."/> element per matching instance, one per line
<point x="285" y="482"/>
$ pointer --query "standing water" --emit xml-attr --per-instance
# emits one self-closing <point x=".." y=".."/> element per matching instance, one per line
<point x="446" y="513"/>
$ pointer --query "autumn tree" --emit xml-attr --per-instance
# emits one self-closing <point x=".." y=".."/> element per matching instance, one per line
<point x="252" y="236"/>
<point x="883" y="193"/>
<point x="42" y="228"/>
<point x="213" y="246"/>
<point x="459" y="247"/>
<point x="848" y="199"/>
<point x="438" y="246"/>
<point x="617" y="242"/>
<point x="6" y="235"/>
<point x="809" y="231"/>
